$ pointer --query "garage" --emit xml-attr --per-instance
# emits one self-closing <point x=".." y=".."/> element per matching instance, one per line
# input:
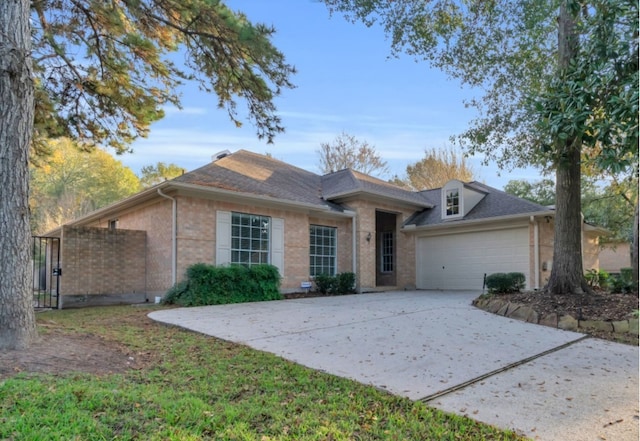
<point x="460" y="261"/>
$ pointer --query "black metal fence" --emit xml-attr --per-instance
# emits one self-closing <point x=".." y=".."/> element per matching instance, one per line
<point x="46" y="271"/>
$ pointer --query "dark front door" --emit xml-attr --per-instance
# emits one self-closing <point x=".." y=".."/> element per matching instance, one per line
<point x="386" y="237"/>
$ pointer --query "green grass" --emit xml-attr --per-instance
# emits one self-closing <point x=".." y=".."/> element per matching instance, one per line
<point x="198" y="388"/>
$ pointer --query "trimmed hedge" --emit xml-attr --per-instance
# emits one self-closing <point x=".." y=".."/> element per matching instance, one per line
<point x="216" y="285"/>
<point x="343" y="283"/>
<point x="505" y="282"/>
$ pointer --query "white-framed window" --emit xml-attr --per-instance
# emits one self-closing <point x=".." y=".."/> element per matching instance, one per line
<point x="322" y="250"/>
<point x="250" y="239"/>
<point x="453" y="202"/>
<point x="386" y="250"/>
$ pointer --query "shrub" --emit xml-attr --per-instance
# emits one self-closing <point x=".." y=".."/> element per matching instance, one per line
<point x="346" y="283"/>
<point x="504" y="283"/>
<point x="597" y="278"/>
<point x="623" y="283"/>
<point x="325" y="283"/>
<point x="214" y="285"/>
<point x="343" y="283"/>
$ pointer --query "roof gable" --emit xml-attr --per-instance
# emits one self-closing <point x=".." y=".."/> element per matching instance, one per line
<point x="347" y="182"/>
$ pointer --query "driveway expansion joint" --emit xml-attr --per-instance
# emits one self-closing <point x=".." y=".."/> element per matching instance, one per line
<point x="508" y="367"/>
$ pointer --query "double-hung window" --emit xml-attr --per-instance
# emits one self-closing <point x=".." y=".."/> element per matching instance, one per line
<point x="322" y="250"/>
<point x="453" y="202"/>
<point x="250" y="238"/>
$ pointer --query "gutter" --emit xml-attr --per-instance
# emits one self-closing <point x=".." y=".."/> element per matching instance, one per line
<point x="411" y="228"/>
<point x="174" y="241"/>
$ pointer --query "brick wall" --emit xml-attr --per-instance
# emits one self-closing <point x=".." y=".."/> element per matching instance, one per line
<point x="155" y="219"/>
<point x="197" y="229"/>
<point x="99" y="261"/>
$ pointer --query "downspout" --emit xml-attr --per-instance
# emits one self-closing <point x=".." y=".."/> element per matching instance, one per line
<point x="536" y="254"/>
<point x="354" y="247"/>
<point x="174" y="241"/>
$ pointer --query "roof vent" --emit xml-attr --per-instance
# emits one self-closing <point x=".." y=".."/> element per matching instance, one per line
<point x="220" y="155"/>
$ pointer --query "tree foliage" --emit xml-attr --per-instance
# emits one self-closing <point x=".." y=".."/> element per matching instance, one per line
<point x="541" y="192"/>
<point x="104" y="70"/>
<point x="151" y="175"/>
<point x="347" y="152"/>
<point x="74" y="182"/>
<point x="611" y="207"/>
<point x="434" y="170"/>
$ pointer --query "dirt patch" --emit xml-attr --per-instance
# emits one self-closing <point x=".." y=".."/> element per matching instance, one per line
<point x="60" y="353"/>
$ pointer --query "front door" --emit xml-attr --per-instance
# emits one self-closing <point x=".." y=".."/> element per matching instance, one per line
<point x="385" y="248"/>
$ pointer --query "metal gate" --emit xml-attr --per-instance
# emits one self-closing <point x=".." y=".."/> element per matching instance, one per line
<point x="46" y="271"/>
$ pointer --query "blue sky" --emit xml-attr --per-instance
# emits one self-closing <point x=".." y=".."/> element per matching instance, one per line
<point x="346" y="82"/>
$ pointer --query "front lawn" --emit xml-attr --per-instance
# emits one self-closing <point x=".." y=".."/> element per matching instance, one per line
<point x="185" y="386"/>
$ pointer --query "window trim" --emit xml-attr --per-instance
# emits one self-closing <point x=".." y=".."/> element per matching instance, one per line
<point x="240" y="237"/>
<point x="333" y="246"/>
<point x="447" y="192"/>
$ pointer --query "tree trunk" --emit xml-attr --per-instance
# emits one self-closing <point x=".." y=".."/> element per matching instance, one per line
<point x="17" y="318"/>
<point x="567" y="272"/>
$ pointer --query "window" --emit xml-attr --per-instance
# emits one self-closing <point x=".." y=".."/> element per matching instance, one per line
<point x="113" y="224"/>
<point x="453" y="202"/>
<point x="322" y="250"/>
<point x="250" y="236"/>
<point x="387" y="252"/>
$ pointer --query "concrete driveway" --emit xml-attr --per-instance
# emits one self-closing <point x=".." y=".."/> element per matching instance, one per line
<point x="434" y="346"/>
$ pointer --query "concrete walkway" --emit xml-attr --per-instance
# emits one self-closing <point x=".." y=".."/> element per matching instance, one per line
<point x="432" y="346"/>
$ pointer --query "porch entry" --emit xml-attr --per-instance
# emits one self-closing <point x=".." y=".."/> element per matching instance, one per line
<point x="45" y="258"/>
<point x="386" y="248"/>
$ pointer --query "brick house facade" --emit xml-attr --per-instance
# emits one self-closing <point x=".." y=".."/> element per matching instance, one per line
<point x="246" y="208"/>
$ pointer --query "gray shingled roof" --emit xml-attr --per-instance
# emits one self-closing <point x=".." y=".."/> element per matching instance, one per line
<point x="496" y="203"/>
<point x="251" y="173"/>
<point x="349" y="182"/>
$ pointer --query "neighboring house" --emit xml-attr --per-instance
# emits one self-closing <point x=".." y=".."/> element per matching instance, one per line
<point x="614" y="256"/>
<point x="247" y="208"/>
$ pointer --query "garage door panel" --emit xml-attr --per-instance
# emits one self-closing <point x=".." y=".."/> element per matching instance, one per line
<point x="460" y="261"/>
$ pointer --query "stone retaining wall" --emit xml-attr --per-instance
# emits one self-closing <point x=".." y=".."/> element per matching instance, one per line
<point x="567" y="322"/>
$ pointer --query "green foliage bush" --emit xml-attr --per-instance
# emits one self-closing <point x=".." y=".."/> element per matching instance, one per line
<point x="343" y="283"/>
<point x="597" y="278"/>
<point x="503" y="283"/>
<point x="623" y="283"/>
<point x="215" y="285"/>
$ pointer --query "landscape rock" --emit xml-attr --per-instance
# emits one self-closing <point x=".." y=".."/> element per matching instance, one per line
<point x="621" y="326"/>
<point x="633" y="326"/>
<point x="568" y="323"/>
<point x="504" y="310"/>
<point x="598" y="325"/>
<point x="549" y="320"/>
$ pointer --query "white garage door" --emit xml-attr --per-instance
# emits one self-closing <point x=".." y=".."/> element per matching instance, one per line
<point x="460" y="261"/>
